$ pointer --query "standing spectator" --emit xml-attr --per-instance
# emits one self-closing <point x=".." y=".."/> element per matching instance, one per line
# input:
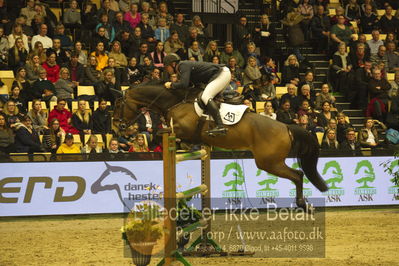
<point x="341" y="69"/>
<point x="81" y="119"/>
<point x="18" y="33"/>
<point x="180" y="27"/>
<point x="63" y="116"/>
<point x="375" y="42"/>
<point x="106" y="9"/>
<point x="102" y="119"/>
<point x="242" y="33"/>
<point x="369" y="21"/>
<point x="368" y="136"/>
<point x="290" y="72"/>
<point x="42" y="37"/>
<point x="72" y="18"/>
<point x="133" y="16"/>
<point x="162" y="32"/>
<point x="51" y="67"/>
<point x="378" y="90"/>
<point x="6" y="137"/>
<point x="265" y="36"/>
<point x="295" y="34"/>
<point x="285" y="114"/>
<point x="320" y="27"/>
<point x="17" y="55"/>
<point x="340" y="33"/>
<point x="350" y="144"/>
<point x="229" y="52"/>
<point x="388" y="23"/>
<point x="26" y="138"/>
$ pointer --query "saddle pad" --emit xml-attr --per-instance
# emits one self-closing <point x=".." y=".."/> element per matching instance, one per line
<point x="230" y="113"/>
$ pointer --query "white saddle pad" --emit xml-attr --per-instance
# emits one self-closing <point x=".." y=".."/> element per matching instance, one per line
<point x="231" y="114"/>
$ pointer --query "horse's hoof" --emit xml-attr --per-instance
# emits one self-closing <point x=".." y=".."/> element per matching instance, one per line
<point x="303" y="204"/>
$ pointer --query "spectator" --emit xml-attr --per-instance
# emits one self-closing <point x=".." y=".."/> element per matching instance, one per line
<point x="393" y="113"/>
<point x="32" y="68"/>
<point x="147" y="66"/>
<point x="29" y="11"/>
<point x="339" y="11"/>
<point x="133" y="16"/>
<point x="108" y="88"/>
<point x="56" y="135"/>
<point x="391" y="38"/>
<point x="368" y="136"/>
<point x="363" y="76"/>
<point x="127" y="136"/>
<point x="92" y="145"/>
<point x="102" y="119"/>
<point x="158" y="55"/>
<point x="21" y="21"/>
<point x="265" y="36"/>
<point x="18" y="33"/>
<point x="68" y="147"/>
<point x="21" y="82"/>
<point x="306" y="10"/>
<point x="51" y="67"/>
<point x="15" y="95"/>
<point x="147" y="32"/>
<point x="139" y="144"/>
<point x="201" y="28"/>
<point x="267" y="91"/>
<point x="341" y="69"/>
<point x="17" y="55"/>
<point x="332" y="124"/>
<point x="340" y="33"/>
<point x="372" y="4"/>
<point x="63" y="116"/>
<point x="309" y="80"/>
<point x="342" y="125"/>
<point x="106" y="9"/>
<point x="109" y="29"/>
<point x="76" y="69"/>
<point x="394" y="85"/>
<point x="268" y="110"/>
<point x="6" y="137"/>
<point x="40" y="51"/>
<point x="211" y="51"/>
<point x="11" y="112"/>
<point x="392" y="56"/>
<point x="65" y="40"/>
<point x="306" y="123"/>
<point x="306" y="109"/>
<point x="134" y="72"/>
<point x="375" y="42"/>
<point x="155" y="74"/>
<point x="194" y="51"/>
<point x="114" y="5"/>
<point x="162" y="32"/>
<point x="270" y="69"/>
<point x="380" y="56"/>
<point x="251" y="73"/>
<point x="116" y="53"/>
<point x="162" y="12"/>
<point x="229" y="52"/>
<point x="100" y="37"/>
<point x="148" y="123"/>
<point x="291" y="97"/>
<point x="146" y="8"/>
<point x="180" y="27"/>
<point x="378" y="90"/>
<point x="64" y="87"/>
<point x="42" y="37"/>
<point x="250" y="50"/>
<point x="350" y="144"/>
<point x="82" y="55"/>
<point x="369" y="21"/>
<point x="72" y="18"/>
<point x="325" y="115"/>
<point x="92" y="75"/>
<point x="26" y="138"/>
<point x="101" y="56"/>
<point x="235" y="69"/>
<point x="242" y="33"/>
<point x="216" y="59"/>
<point x="353" y="10"/>
<point x="38" y="117"/>
<point x="61" y="56"/>
<point x="119" y="72"/>
<point x="43" y="88"/>
<point x="120" y="24"/>
<point x="113" y="146"/>
<point x="295" y="33"/>
<point x="127" y="44"/>
<point x="320" y="27"/>
<point x="324" y="96"/>
<point x="194" y="36"/>
<point x="89" y="22"/>
<point x="174" y="45"/>
<point x="291" y="70"/>
<point x="359" y="56"/>
<point x="388" y="23"/>
<point x="285" y="114"/>
<point x="330" y="142"/>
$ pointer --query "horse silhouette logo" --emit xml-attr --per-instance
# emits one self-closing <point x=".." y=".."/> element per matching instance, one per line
<point x="112" y="184"/>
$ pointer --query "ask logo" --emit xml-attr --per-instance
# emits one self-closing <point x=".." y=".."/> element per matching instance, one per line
<point x="237" y="179"/>
<point x="365" y="175"/>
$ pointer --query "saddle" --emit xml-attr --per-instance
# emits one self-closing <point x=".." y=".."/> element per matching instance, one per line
<point x="230" y="97"/>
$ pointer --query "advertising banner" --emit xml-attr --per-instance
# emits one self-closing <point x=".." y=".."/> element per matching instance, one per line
<point x="57" y="188"/>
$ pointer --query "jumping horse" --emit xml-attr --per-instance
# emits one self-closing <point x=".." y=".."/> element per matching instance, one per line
<point x="269" y="141"/>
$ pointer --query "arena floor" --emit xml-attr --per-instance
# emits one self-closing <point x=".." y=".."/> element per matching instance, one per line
<point x="353" y="237"/>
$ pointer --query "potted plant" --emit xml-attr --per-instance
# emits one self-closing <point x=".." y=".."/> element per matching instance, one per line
<point x="143" y="229"/>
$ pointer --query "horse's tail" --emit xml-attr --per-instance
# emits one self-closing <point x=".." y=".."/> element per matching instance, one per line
<point x="306" y="148"/>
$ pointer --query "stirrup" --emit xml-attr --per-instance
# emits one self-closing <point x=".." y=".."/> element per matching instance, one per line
<point x="217" y="131"/>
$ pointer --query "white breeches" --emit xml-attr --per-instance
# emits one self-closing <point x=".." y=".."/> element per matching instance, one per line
<point x="217" y="85"/>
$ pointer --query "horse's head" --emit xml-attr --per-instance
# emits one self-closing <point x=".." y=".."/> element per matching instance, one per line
<point x="124" y="113"/>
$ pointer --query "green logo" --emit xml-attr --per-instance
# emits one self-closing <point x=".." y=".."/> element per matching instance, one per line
<point x="395" y="188"/>
<point x="337" y="177"/>
<point x="307" y="192"/>
<point x="267" y="191"/>
<point x="237" y="173"/>
<point x="366" y="176"/>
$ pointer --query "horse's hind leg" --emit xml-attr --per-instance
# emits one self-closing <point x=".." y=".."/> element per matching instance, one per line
<point x="280" y="169"/>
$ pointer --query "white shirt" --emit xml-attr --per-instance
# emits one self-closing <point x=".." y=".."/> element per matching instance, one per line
<point x="45" y="40"/>
<point x="11" y="41"/>
<point x="148" y="123"/>
<point x="370" y="138"/>
<point x="272" y="115"/>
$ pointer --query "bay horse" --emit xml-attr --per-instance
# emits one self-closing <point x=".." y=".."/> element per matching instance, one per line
<point x="269" y="141"/>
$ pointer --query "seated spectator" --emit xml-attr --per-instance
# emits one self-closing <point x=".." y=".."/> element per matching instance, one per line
<point x="380" y="56"/>
<point x="51" y="67"/>
<point x="265" y="36"/>
<point x="65" y="40"/>
<point x="291" y="97"/>
<point x="229" y="52"/>
<point x="394" y="85"/>
<point x="340" y="33"/>
<point x="11" y="114"/>
<point x="267" y="91"/>
<point x="341" y="70"/>
<point x="98" y="37"/>
<point x="211" y="51"/>
<point x="127" y="136"/>
<point x="139" y="144"/>
<point x="148" y="122"/>
<point x="19" y="100"/>
<point x="108" y="89"/>
<point x="330" y="142"/>
<point x="391" y="38"/>
<point x="24" y="86"/>
<point x="251" y="73"/>
<point x="359" y="56"/>
<point x="285" y="114"/>
<point x="155" y="74"/>
<point x="195" y="36"/>
<point x="373" y="5"/>
<point x="68" y="146"/>
<point x="18" y="33"/>
<point x="196" y="22"/>
<point x="61" y="56"/>
<point x="6" y="137"/>
<point x="92" y="145"/>
<point x="325" y="115"/>
<point x="174" y="45"/>
<point x="162" y="12"/>
<point x="106" y="9"/>
<point x="32" y="68"/>
<point x="82" y="120"/>
<point x="320" y="27"/>
<point x="388" y="23"/>
<point x="353" y="10"/>
<point x="342" y="125"/>
<point x="368" y="21"/>
<point x="76" y="69"/>
<point x="306" y="123"/>
<point x="368" y="136"/>
<point x="339" y="11"/>
<point x="63" y="116"/>
<point x="52" y="141"/>
<point x="134" y="72"/>
<point x="29" y="11"/>
<point x="137" y="39"/>
<point x="82" y="55"/>
<point x="116" y="53"/>
<point x="250" y="50"/>
<point x="309" y="80"/>
<point x="350" y="144"/>
<point x="17" y="55"/>
<point x="26" y="138"/>
<point x="304" y="94"/>
<point x="109" y="29"/>
<point x="147" y="66"/>
<point x="180" y="27"/>
<point x="194" y="51"/>
<point x="119" y="72"/>
<point x="216" y="60"/>
<point x="306" y="109"/>
<point x="38" y="117"/>
<point x="324" y="96"/>
<point x="101" y="56"/>
<point x="42" y="37"/>
<point x="269" y="111"/>
<point x="290" y="72"/>
<point x="375" y="42"/>
<point x="4" y="48"/>
<point x="64" y="87"/>
<point x="40" y="51"/>
<point x="43" y="88"/>
<point x="235" y="69"/>
<point x="72" y="18"/>
<point x="133" y="16"/>
<point x="113" y="146"/>
<point x="332" y="124"/>
<point x="92" y="75"/>
<point x="102" y="119"/>
<point x="378" y="90"/>
<point x="162" y="32"/>
<point x="158" y="55"/>
<point x="142" y="53"/>
<point x="392" y="56"/>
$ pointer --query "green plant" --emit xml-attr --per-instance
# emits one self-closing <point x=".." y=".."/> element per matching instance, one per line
<point x="186" y="215"/>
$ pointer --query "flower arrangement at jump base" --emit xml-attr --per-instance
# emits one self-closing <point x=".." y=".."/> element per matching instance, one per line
<point x="144" y="232"/>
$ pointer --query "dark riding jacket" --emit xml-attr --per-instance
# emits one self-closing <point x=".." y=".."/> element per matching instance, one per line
<point x="196" y="72"/>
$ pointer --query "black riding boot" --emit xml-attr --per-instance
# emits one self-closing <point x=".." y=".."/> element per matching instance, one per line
<point x="213" y="110"/>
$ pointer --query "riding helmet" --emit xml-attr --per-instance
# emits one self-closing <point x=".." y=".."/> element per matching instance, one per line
<point x="170" y="58"/>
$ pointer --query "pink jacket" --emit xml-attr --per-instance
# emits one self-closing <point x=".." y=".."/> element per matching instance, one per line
<point x="132" y="21"/>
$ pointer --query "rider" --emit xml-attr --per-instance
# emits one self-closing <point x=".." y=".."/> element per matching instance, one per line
<point x="217" y="77"/>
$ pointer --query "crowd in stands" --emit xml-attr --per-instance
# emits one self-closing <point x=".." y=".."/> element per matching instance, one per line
<point x="123" y="43"/>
